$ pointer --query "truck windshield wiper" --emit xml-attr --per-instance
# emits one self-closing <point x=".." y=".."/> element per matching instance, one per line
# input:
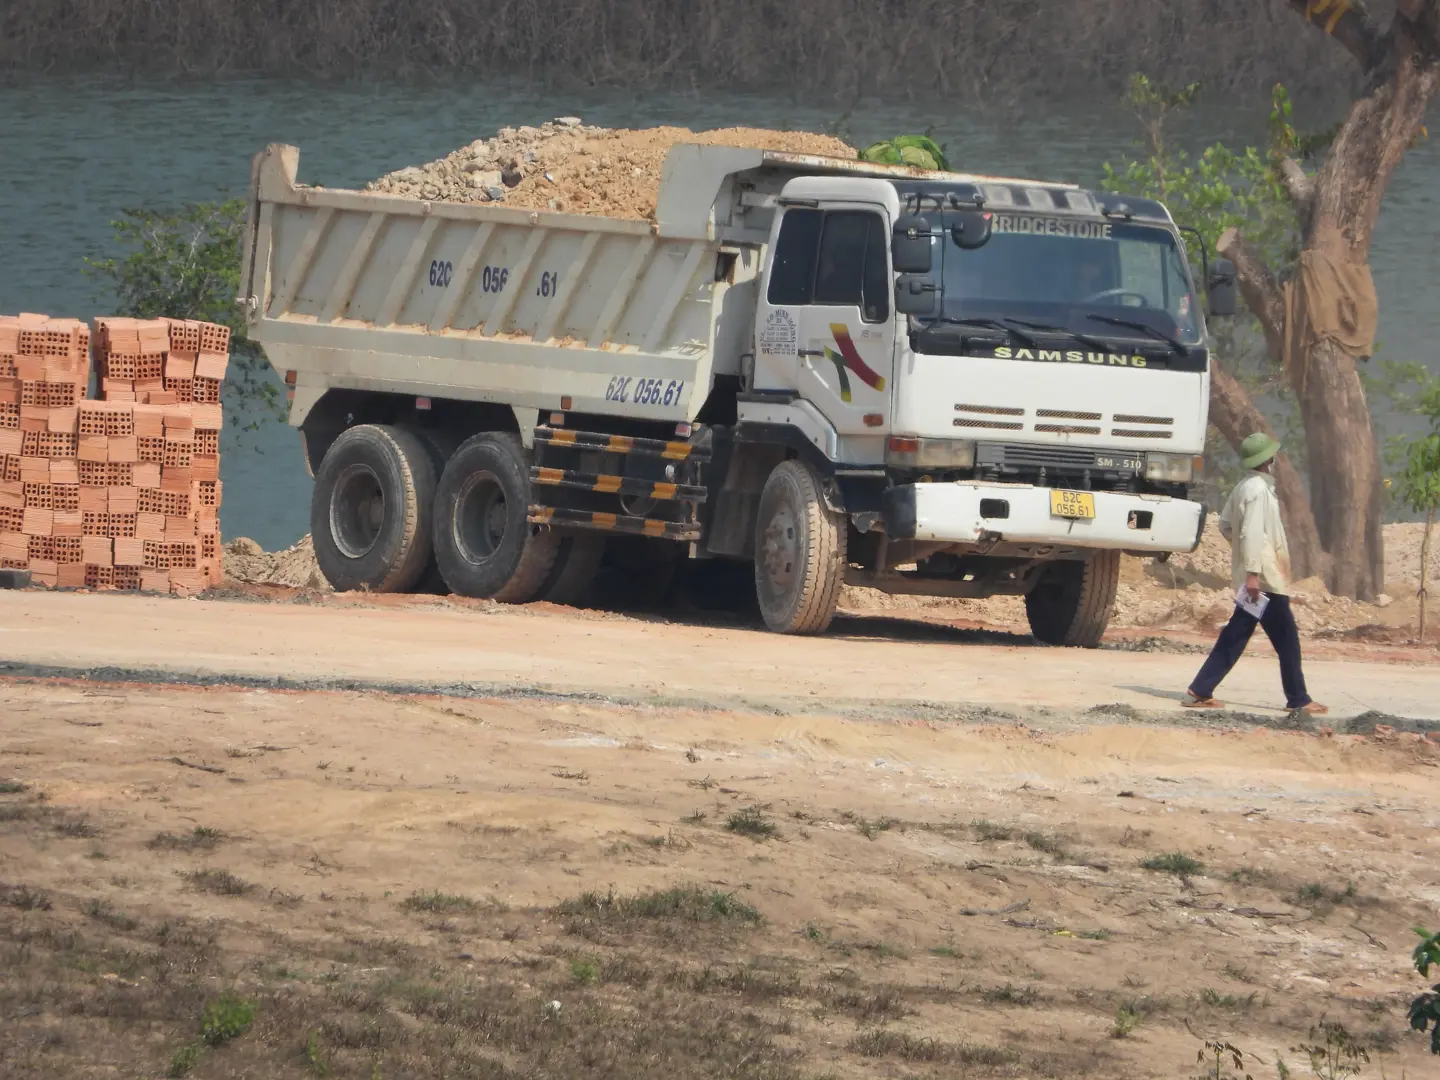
<point x="1006" y="325"/>
<point x="1135" y="324"/>
<point x="1084" y="339"/>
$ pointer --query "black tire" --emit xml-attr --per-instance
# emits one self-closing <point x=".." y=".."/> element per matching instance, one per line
<point x="484" y="544"/>
<point x="1072" y="601"/>
<point x="575" y="566"/>
<point x="441" y="445"/>
<point x="370" y="510"/>
<point x="799" y="552"/>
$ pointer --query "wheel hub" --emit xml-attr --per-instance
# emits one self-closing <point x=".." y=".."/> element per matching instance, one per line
<point x="481" y="518"/>
<point x="357" y="511"/>
<point x="780" y="553"/>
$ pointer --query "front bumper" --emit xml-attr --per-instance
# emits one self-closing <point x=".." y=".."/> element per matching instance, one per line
<point x="970" y="511"/>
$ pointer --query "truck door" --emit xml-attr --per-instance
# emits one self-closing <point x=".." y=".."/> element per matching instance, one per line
<point x="825" y="322"/>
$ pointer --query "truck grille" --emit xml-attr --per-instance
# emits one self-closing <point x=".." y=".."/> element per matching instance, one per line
<point x="1060" y="466"/>
<point x="986" y="417"/>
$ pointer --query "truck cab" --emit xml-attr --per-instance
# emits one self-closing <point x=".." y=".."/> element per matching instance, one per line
<point x="1017" y="373"/>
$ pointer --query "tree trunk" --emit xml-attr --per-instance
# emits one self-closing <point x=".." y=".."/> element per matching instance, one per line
<point x="1339" y="207"/>
<point x="1425" y="568"/>
<point x="1345" y="483"/>
<point x="1235" y="416"/>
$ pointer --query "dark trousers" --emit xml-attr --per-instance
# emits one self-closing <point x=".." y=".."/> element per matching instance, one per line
<point x="1279" y="625"/>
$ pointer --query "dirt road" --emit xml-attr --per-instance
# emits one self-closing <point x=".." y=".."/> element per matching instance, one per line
<point x="871" y="666"/>
<point x="627" y="848"/>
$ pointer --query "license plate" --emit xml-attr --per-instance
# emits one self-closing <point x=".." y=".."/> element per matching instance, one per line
<point x="1072" y="504"/>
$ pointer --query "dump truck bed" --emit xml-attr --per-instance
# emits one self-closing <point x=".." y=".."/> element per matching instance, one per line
<point x="365" y="291"/>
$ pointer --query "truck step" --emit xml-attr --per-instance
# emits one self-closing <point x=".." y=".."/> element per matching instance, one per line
<point x="620" y="444"/>
<point x="625" y="523"/>
<point x="617" y="485"/>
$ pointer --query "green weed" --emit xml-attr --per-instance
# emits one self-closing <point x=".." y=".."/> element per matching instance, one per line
<point x="1173" y="862"/>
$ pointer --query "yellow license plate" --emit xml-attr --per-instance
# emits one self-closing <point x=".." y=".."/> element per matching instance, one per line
<point x="1072" y="504"/>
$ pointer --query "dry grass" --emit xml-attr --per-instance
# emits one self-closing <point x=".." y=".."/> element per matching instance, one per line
<point x="929" y="47"/>
<point x="856" y="944"/>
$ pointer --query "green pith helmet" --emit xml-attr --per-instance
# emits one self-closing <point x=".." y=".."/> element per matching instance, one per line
<point x="1258" y="449"/>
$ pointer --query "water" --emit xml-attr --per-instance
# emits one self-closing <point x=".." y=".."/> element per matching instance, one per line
<point x="75" y="152"/>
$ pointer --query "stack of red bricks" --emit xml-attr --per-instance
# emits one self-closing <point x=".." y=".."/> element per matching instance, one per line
<point x="121" y="492"/>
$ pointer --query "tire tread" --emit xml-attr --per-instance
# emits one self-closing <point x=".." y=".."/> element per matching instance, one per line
<point x="826" y="535"/>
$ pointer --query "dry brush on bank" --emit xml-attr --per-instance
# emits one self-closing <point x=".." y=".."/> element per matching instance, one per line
<point x="1036" y="48"/>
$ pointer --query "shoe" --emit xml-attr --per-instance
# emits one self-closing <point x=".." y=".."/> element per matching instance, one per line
<point x="1191" y="701"/>
<point x="1313" y="708"/>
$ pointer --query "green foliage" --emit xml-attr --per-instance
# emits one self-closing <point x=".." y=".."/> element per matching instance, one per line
<point x="226" y="1018"/>
<point x="185" y="264"/>
<point x="584" y="970"/>
<point x="1419" y="477"/>
<point x="1425" y="1009"/>
<point x="1126" y="1021"/>
<point x="921" y="151"/>
<point x="751" y="821"/>
<point x="185" y="1059"/>
<point x="1173" y="862"/>
<point x="1218" y="189"/>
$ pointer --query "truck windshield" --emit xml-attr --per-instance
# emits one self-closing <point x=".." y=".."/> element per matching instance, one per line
<point x="1079" y="275"/>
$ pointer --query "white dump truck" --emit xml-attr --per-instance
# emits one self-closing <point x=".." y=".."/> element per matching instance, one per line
<point x="920" y="382"/>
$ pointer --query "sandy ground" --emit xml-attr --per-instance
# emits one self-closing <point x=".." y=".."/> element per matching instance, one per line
<point x="897" y="850"/>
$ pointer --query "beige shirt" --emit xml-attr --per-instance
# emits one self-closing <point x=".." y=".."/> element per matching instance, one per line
<point x="1251" y="522"/>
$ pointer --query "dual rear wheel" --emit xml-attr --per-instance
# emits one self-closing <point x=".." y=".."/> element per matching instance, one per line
<point x="391" y="503"/>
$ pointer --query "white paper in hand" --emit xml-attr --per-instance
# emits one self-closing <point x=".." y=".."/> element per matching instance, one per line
<point x="1252" y="607"/>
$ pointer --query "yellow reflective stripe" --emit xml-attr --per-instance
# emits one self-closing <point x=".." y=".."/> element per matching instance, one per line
<point x="621" y="443"/>
<point x="607" y="484"/>
<point x="677" y="450"/>
<point x="605" y="521"/>
<point x="550" y="476"/>
<point x="664" y="491"/>
<point x="654" y="527"/>
<point x="562" y="436"/>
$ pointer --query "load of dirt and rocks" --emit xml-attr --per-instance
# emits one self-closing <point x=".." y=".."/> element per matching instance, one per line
<point x="572" y="167"/>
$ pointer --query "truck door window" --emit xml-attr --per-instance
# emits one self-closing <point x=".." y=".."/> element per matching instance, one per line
<point x="792" y="271"/>
<point x="852" y="264"/>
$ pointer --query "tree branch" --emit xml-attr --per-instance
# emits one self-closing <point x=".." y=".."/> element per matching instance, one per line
<point x="1423" y="17"/>
<point x="1262" y="294"/>
<point x="1347" y="23"/>
<point x="1299" y="185"/>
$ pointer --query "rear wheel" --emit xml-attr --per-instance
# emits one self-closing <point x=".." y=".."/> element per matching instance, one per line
<point x="1071" y="603"/>
<point x="370" y="510"/>
<point x="484" y="544"/>
<point x="799" y="552"/>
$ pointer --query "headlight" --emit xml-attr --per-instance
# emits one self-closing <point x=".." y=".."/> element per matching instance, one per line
<point x="930" y="453"/>
<point x="1173" y="468"/>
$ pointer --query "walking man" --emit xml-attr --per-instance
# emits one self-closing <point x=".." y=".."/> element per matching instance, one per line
<point x="1260" y="566"/>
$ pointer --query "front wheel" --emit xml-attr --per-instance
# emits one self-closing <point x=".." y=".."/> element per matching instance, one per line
<point x="1072" y="601"/>
<point x="799" y="552"/>
<point x="485" y="545"/>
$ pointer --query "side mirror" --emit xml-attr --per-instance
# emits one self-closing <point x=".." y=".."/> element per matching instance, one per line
<point x="1221" y="288"/>
<point x="915" y="295"/>
<point x="971" y="229"/>
<point x="910" y="245"/>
